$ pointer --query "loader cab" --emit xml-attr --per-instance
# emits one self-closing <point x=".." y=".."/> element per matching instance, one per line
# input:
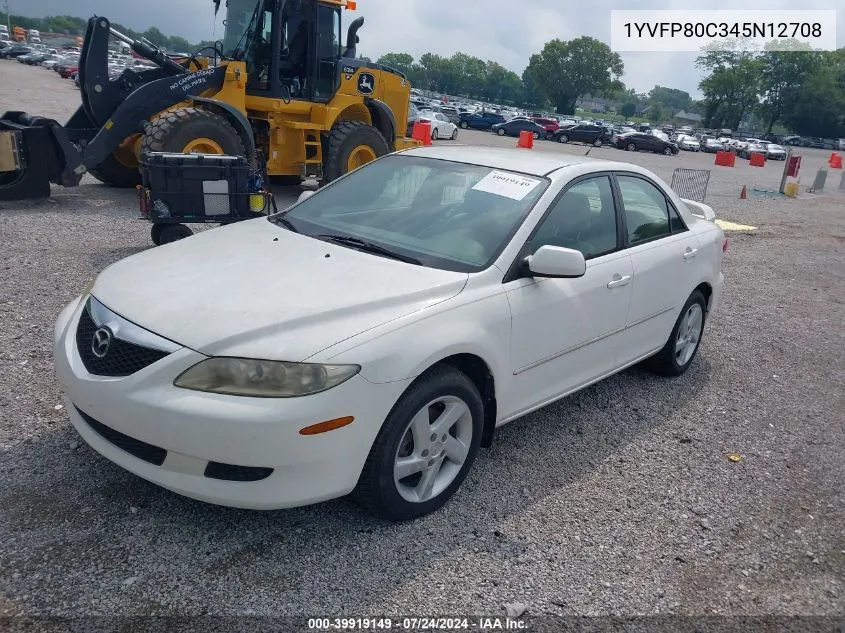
<point x="291" y="47"/>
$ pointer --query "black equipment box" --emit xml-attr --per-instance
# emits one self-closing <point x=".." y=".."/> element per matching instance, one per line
<point x="200" y="188"/>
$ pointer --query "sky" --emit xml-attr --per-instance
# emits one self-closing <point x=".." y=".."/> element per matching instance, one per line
<point x="504" y="31"/>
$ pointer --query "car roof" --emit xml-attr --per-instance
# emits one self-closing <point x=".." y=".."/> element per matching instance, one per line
<point x="535" y="163"/>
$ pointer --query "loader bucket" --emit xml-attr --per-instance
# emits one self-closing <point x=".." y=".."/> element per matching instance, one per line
<point x="26" y="157"/>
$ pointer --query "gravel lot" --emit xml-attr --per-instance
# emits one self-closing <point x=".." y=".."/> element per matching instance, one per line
<point x="618" y="500"/>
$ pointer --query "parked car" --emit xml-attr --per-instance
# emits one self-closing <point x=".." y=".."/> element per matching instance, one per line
<point x="752" y="146"/>
<point x="480" y="120"/>
<point x="515" y="126"/>
<point x="441" y="126"/>
<point x="639" y="141"/>
<point x="581" y="133"/>
<point x="551" y="125"/>
<point x="712" y="145"/>
<point x="516" y="290"/>
<point x="688" y="143"/>
<point x="413" y="117"/>
<point x="775" y="151"/>
<point x="451" y="112"/>
<point x="15" y="50"/>
<point x="66" y="71"/>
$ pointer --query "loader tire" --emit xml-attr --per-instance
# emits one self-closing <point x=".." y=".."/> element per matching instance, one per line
<point x="349" y="145"/>
<point x="115" y="174"/>
<point x="192" y="129"/>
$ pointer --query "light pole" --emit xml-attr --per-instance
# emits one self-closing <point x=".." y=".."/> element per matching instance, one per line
<point x="8" y="19"/>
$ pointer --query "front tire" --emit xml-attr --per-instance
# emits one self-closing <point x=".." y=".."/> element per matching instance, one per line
<point x="563" y="138"/>
<point x="189" y="130"/>
<point x="680" y="350"/>
<point x="668" y="151"/>
<point x="464" y="124"/>
<point x="350" y="145"/>
<point x="631" y="147"/>
<point x="425" y="447"/>
<point x="455" y="134"/>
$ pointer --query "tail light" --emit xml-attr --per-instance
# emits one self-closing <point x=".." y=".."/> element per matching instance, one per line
<point x="724" y="245"/>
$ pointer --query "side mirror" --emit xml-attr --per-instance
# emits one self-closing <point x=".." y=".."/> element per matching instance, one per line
<point x="556" y="261"/>
<point x="305" y="195"/>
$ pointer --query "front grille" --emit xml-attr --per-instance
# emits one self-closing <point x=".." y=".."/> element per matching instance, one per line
<point x="141" y="450"/>
<point x="229" y="472"/>
<point x="121" y="359"/>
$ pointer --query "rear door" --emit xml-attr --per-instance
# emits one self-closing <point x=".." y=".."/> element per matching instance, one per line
<point x="663" y="253"/>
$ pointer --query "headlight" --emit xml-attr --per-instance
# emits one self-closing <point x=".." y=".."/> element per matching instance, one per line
<point x="263" y="378"/>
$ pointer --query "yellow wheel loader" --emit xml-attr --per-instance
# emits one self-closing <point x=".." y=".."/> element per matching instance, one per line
<point x="281" y="89"/>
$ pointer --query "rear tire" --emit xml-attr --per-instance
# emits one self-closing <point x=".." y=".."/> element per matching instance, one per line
<point x="670" y="361"/>
<point x="173" y="131"/>
<point x="115" y="174"/>
<point x="439" y="393"/>
<point x="345" y="138"/>
<point x="464" y="124"/>
<point x="597" y="143"/>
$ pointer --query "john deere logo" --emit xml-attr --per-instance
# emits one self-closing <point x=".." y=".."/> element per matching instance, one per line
<point x="366" y="83"/>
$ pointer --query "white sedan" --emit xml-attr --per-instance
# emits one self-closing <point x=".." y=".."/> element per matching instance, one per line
<point x="371" y="338"/>
<point x="441" y="126"/>
<point x="688" y="143"/>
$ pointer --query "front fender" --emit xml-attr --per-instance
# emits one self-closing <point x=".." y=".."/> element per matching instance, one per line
<point x="405" y="348"/>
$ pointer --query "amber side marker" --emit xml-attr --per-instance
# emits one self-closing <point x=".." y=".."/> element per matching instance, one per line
<point x="328" y="425"/>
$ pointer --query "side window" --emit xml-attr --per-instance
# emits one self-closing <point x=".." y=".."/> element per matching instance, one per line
<point x="583" y="219"/>
<point x="648" y="213"/>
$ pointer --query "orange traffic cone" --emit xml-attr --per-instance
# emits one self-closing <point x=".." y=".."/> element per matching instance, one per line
<point x="744" y="193"/>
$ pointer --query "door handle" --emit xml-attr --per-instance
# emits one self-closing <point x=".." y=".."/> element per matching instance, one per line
<point x="618" y="281"/>
<point x="690" y="253"/>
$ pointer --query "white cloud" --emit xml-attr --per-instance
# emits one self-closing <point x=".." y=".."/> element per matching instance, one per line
<point x="502" y="30"/>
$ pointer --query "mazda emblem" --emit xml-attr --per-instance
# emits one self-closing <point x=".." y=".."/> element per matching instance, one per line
<point x="100" y="342"/>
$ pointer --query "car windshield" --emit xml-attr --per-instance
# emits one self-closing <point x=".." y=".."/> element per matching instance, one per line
<point x="444" y="214"/>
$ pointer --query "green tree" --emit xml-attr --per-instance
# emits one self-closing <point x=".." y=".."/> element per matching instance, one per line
<point x="819" y="107"/>
<point x="732" y="87"/>
<point x="628" y="109"/>
<point x="402" y="62"/>
<point x="671" y="99"/>
<point x="155" y="36"/>
<point x="656" y="113"/>
<point x="565" y="71"/>
<point x="783" y="75"/>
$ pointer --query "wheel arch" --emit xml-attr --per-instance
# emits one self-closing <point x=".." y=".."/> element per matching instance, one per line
<point x="707" y="290"/>
<point x="383" y="119"/>
<point x="234" y="116"/>
<point x="355" y="112"/>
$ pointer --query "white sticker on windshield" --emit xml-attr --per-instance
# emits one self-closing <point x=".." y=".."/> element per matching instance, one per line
<point x="503" y="183"/>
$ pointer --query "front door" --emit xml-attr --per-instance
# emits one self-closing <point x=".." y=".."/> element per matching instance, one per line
<point x="565" y="332"/>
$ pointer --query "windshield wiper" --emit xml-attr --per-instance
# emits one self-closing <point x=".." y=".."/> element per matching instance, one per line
<point x="363" y="245"/>
<point x="283" y="221"/>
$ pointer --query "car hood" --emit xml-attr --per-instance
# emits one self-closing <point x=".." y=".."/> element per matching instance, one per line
<point x="257" y="290"/>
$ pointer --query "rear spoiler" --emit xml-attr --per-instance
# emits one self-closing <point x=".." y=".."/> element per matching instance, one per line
<point x="701" y="210"/>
